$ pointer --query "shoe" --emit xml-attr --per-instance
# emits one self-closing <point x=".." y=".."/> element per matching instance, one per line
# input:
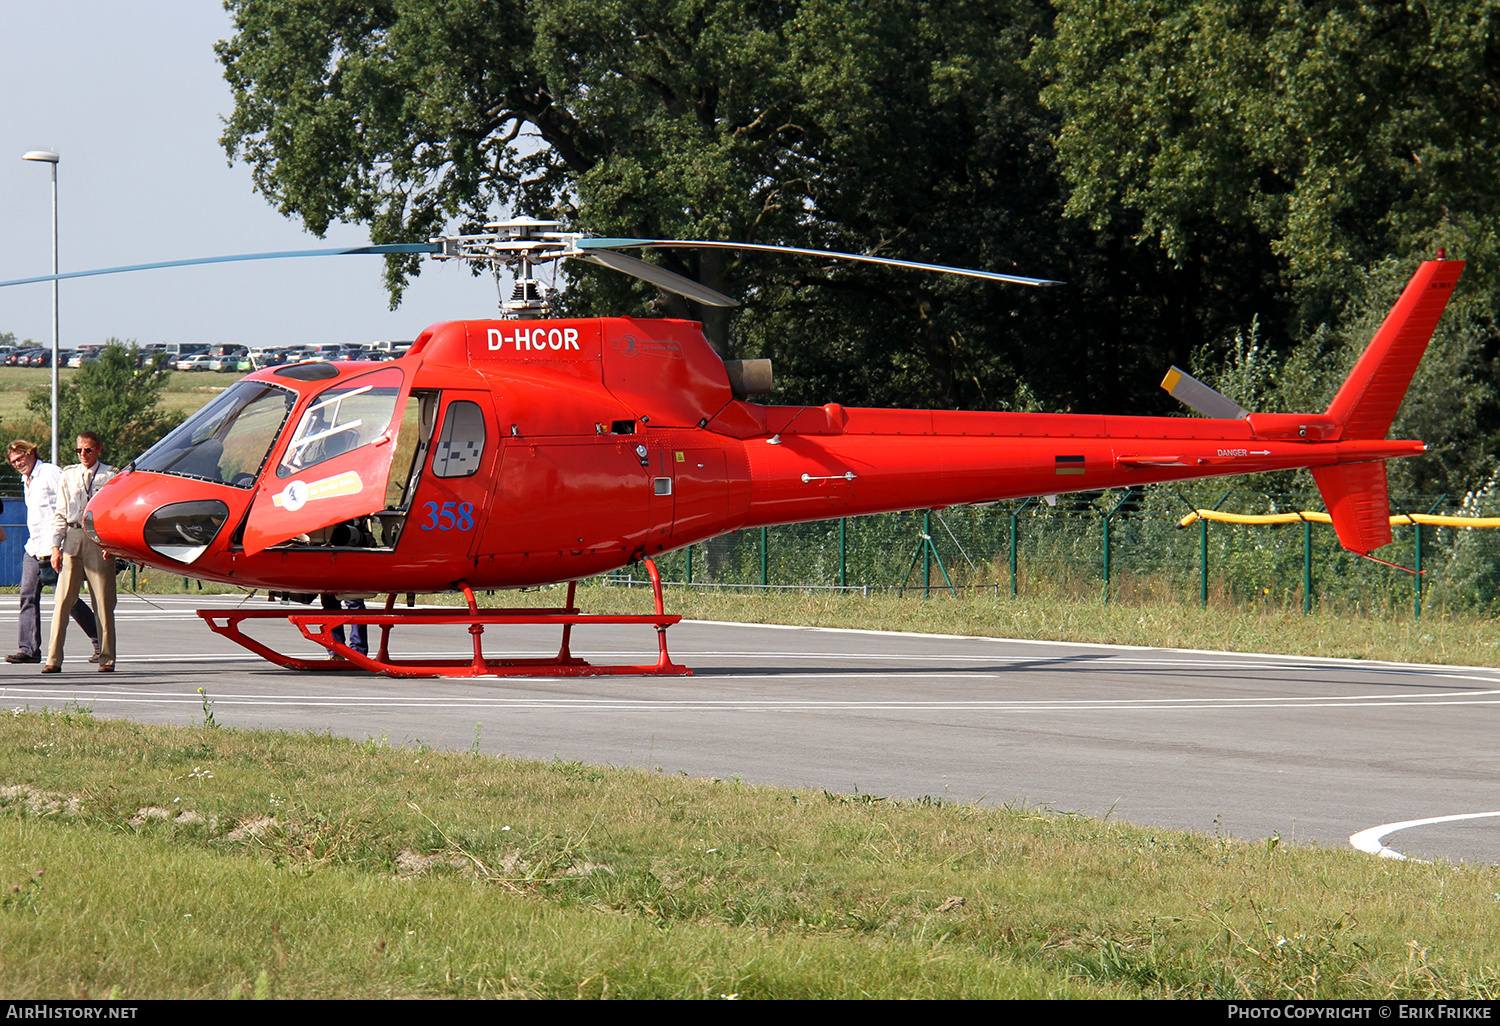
<point x="22" y="657"/>
<point x="49" y="668"/>
<point x="96" y="656"/>
<point x="106" y="667"/>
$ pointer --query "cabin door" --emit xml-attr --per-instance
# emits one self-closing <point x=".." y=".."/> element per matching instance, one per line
<point x="334" y="464"/>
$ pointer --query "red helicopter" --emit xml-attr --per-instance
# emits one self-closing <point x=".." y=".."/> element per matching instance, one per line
<point x="528" y="451"/>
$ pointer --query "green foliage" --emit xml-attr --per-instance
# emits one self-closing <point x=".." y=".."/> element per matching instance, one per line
<point x="114" y="398"/>
<point x="903" y="128"/>
<point x="1224" y="165"/>
<point x="1343" y="140"/>
<point x="1338" y="134"/>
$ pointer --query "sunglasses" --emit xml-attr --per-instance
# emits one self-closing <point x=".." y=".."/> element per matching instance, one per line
<point x="86" y="448"/>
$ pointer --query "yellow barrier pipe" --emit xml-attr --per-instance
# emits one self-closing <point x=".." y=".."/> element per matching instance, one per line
<point x="1398" y="520"/>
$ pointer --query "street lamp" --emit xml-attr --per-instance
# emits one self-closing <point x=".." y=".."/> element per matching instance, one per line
<point x="50" y="157"/>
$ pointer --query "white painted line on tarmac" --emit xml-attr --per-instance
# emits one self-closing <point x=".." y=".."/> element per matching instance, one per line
<point x="1372" y="840"/>
<point x="162" y="605"/>
<point x="1163" y="658"/>
<point x="1002" y="663"/>
<point x="122" y="695"/>
<point x="1268" y="656"/>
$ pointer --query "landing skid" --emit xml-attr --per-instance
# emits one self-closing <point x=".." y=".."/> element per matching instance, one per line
<point x="318" y="627"/>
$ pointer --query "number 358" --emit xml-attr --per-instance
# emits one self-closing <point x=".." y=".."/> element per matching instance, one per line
<point x="450" y="516"/>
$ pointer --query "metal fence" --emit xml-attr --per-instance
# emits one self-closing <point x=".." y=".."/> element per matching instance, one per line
<point x="1114" y="546"/>
<point x="13" y="520"/>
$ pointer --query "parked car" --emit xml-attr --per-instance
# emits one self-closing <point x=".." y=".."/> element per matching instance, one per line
<point x="226" y="358"/>
<point x="267" y="357"/>
<point x="80" y="356"/>
<point x="153" y="351"/>
<point x="182" y="350"/>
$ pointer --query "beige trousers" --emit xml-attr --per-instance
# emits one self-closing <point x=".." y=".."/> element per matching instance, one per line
<point x="90" y="563"/>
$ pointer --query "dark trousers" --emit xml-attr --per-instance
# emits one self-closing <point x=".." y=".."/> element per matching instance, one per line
<point x="356" y="630"/>
<point x="31" y="611"/>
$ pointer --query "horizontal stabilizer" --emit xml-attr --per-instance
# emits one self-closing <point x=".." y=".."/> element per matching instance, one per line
<point x="1355" y="494"/>
<point x="1194" y="394"/>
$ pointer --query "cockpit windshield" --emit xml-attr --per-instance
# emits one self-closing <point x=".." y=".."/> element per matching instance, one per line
<point x="227" y="441"/>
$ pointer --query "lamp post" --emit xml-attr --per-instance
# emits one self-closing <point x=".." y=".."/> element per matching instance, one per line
<point x="50" y="157"/>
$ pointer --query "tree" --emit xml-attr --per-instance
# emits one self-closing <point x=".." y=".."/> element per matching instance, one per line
<point x="1343" y="140"/>
<point x="115" y="399"/>
<point x="1337" y="134"/>
<point x="1220" y="165"/>
<point x="637" y="117"/>
<point x="905" y="128"/>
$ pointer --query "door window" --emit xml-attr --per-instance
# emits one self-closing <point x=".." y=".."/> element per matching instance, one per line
<point x="461" y="443"/>
<point x="341" y="420"/>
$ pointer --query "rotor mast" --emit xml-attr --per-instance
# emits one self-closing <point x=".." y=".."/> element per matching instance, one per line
<point x="520" y="243"/>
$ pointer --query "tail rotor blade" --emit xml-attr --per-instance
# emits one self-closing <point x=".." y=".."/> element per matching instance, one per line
<point x="1194" y="394"/>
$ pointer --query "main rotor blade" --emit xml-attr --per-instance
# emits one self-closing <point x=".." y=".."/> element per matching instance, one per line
<point x="610" y="244"/>
<point x="659" y="276"/>
<point x="398" y="247"/>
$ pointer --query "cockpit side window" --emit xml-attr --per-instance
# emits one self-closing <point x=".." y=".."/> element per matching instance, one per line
<point x="340" y="420"/>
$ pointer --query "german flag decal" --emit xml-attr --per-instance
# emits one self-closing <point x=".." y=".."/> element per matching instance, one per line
<point x="1069" y="465"/>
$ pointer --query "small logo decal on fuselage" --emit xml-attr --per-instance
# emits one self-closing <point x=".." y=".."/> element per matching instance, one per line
<point x="299" y="493"/>
<point x="629" y="345"/>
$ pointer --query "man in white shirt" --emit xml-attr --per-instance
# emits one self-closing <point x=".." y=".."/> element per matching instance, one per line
<point x="75" y="555"/>
<point x="39" y="481"/>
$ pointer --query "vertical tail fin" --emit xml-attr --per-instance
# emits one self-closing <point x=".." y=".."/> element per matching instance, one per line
<point x="1369" y="399"/>
<point x="1355" y="493"/>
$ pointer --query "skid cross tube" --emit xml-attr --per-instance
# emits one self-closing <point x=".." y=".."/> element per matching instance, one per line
<point x="318" y="628"/>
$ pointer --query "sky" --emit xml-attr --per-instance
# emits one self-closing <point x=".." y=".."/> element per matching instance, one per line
<point x="131" y="97"/>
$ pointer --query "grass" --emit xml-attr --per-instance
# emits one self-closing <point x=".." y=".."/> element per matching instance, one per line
<point x="142" y="862"/>
<point x="187" y="393"/>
